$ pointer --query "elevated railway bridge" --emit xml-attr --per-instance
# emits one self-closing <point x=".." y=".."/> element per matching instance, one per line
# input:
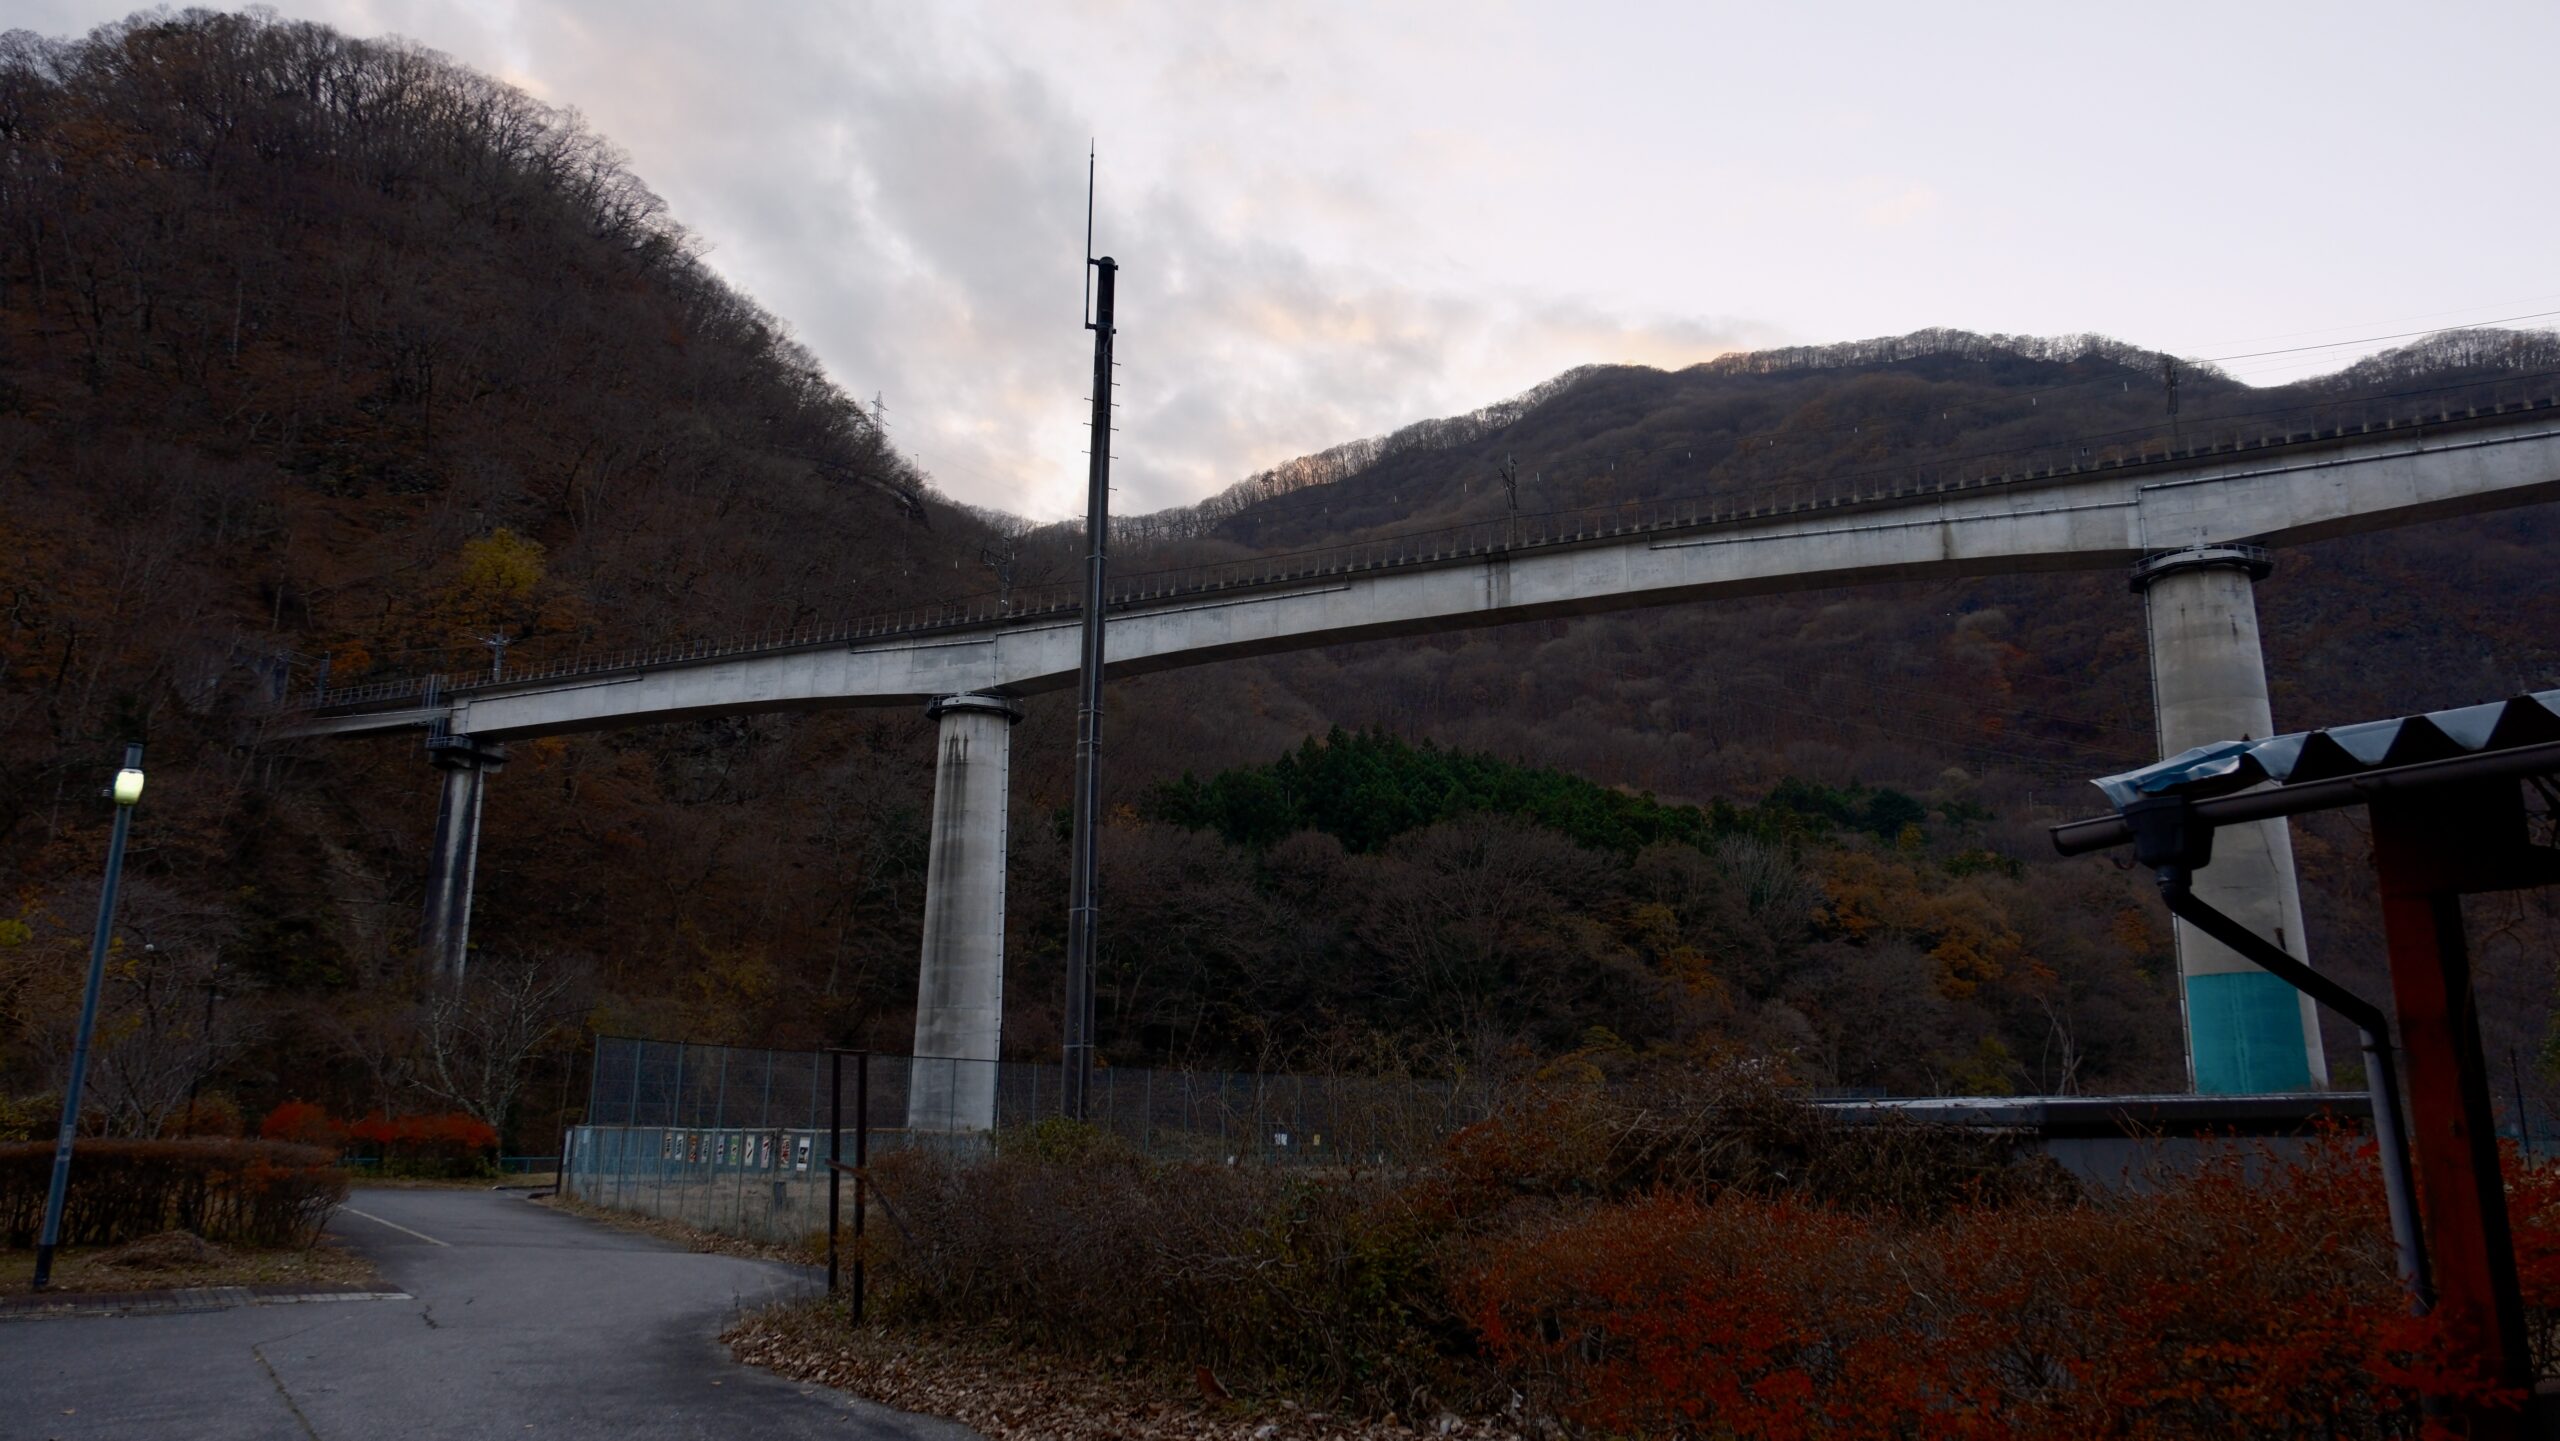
<point x="2194" y="525"/>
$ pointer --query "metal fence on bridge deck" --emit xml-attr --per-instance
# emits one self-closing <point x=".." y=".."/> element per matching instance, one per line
<point x="735" y="1139"/>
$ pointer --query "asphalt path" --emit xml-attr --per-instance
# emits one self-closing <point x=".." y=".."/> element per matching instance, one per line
<point x="526" y="1322"/>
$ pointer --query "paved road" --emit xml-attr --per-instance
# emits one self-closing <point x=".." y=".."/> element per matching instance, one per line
<point x="526" y="1323"/>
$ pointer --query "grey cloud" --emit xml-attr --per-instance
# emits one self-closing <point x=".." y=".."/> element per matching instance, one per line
<point x="905" y="192"/>
<point x="907" y="195"/>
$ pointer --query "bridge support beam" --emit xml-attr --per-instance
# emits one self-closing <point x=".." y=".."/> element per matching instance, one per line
<point x="960" y="987"/>
<point x="2247" y="1030"/>
<point x="445" y="933"/>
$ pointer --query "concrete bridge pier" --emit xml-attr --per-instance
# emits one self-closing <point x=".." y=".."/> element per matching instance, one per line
<point x="2247" y="1031"/>
<point x="445" y="934"/>
<point x="960" y="987"/>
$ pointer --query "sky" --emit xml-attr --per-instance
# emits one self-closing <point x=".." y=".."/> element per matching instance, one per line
<point x="1335" y="219"/>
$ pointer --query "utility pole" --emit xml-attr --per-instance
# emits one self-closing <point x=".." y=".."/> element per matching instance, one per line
<point x="2169" y="382"/>
<point x="1083" y="907"/>
<point x="1004" y="559"/>
<point x="1511" y="493"/>
<point x="497" y="645"/>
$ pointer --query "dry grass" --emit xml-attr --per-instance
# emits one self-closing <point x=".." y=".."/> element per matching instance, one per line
<point x="808" y="1251"/>
<point x="87" y="1270"/>
<point x="358" y="1179"/>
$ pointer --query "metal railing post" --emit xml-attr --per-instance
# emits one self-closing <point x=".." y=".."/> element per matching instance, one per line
<point x="861" y="1170"/>
<point x="719" y="1137"/>
<point x="835" y="1154"/>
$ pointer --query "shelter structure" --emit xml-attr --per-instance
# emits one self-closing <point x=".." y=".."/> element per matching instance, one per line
<point x="2446" y="794"/>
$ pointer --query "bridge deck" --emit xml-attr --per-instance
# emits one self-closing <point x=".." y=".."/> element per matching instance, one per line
<point x="2287" y="487"/>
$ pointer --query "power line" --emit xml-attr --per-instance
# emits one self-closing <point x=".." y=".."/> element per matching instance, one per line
<point x="2396" y="320"/>
<point x="2376" y="339"/>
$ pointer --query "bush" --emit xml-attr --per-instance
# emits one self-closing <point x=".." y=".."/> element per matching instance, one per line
<point x="251" y="1193"/>
<point x="1713" y="1258"/>
<point x="1272" y="1281"/>
<point x="304" y="1124"/>
<point x="1701" y="1131"/>
<point x="216" y="1115"/>
<point x="449" y="1145"/>
<point x="2221" y="1305"/>
<point x="29" y="1118"/>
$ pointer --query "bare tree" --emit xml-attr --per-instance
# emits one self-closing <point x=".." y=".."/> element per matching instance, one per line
<point x="480" y="1035"/>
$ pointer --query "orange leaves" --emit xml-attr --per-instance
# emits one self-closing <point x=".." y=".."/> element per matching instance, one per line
<point x="449" y="1136"/>
<point x="304" y="1124"/>
<point x="1667" y="1314"/>
<point x="1869" y="896"/>
<point x="2221" y="1304"/>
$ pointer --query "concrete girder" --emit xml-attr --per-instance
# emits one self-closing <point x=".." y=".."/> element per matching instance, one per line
<point x="2092" y="519"/>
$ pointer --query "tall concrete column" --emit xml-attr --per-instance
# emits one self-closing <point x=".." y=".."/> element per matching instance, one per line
<point x="2247" y="1031"/>
<point x="445" y="933"/>
<point x="960" y="988"/>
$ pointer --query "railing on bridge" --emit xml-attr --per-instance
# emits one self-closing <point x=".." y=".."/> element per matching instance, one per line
<point x="735" y="1140"/>
<point x="2199" y="436"/>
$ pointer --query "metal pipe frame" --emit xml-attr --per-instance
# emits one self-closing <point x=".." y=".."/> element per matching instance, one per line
<point x="2381" y="1074"/>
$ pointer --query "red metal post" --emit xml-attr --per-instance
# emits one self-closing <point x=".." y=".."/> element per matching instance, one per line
<point x="2419" y="856"/>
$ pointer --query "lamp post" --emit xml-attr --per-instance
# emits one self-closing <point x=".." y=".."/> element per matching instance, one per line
<point x="126" y="790"/>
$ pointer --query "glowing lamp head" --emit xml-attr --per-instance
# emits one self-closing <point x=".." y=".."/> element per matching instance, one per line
<point x="128" y="786"/>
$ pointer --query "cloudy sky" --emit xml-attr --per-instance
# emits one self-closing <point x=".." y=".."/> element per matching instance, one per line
<point x="1335" y="219"/>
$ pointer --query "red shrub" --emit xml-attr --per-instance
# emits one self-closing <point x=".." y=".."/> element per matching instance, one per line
<point x="2221" y="1305"/>
<point x="450" y="1143"/>
<point x="303" y="1124"/>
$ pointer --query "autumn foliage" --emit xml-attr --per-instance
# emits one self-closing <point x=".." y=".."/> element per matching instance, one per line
<point x="446" y="1143"/>
<point x="1731" y="1267"/>
<point x="2217" y="1306"/>
<point x="255" y="1193"/>
<point x="304" y="1124"/>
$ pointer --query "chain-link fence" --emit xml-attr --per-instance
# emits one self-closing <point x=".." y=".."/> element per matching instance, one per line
<point x="736" y="1140"/>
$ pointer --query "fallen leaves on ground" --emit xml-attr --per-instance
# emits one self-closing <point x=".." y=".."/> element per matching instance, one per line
<point x="1010" y="1394"/>
<point x="692" y="1238"/>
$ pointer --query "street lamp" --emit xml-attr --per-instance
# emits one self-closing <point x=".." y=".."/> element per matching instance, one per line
<point x="126" y="791"/>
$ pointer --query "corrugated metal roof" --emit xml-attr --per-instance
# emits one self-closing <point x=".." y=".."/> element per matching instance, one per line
<point x="2227" y="766"/>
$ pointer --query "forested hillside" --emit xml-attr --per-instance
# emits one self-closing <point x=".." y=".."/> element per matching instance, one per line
<point x="326" y="356"/>
<point x="1995" y="700"/>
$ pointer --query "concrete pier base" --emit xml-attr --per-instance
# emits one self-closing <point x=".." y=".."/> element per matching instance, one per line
<point x="445" y="932"/>
<point x="2247" y="1031"/>
<point x="960" y="986"/>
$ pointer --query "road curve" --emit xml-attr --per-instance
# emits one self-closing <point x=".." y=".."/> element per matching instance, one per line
<point x="525" y="1323"/>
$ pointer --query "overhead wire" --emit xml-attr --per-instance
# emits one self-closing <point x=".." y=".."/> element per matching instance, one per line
<point x="2394" y="320"/>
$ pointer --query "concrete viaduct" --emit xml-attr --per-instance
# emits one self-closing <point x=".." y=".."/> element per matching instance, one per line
<point x="2195" y="527"/>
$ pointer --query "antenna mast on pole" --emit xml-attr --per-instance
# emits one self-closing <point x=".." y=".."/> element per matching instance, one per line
<point x="1083" y="907"/>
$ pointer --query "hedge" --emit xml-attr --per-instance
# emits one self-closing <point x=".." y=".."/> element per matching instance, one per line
<point x="250" y="1193"/>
